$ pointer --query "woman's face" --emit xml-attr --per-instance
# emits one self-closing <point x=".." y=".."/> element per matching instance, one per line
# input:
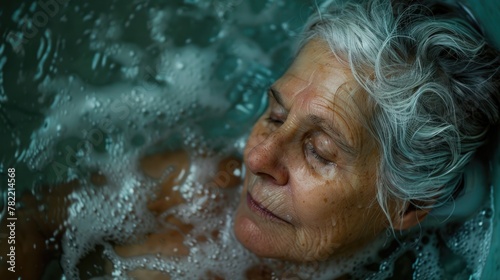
<point x="309" y="190"/>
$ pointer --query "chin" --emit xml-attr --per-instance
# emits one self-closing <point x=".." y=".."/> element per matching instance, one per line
<point x="253" y="237"/>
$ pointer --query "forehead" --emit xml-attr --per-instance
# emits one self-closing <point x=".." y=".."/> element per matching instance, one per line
<point x="317" y="73"/>
<point x="318" y="84"/>
<point x="317" y="65"/>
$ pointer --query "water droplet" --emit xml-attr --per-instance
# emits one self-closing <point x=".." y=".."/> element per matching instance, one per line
<point x="179" y="65"/>
<point x="488" y="213"/>
<point x="237" y="172"/>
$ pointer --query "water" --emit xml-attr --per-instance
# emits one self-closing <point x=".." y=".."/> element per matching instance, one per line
<point x="94" y="87"/>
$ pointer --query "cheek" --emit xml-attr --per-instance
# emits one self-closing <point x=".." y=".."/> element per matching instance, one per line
<point x="315" y="200"/>
<point x="339" y="202"/>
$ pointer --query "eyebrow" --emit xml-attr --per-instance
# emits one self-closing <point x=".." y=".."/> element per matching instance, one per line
<point x="277" y="96"/>
<point x="325" y="125"/>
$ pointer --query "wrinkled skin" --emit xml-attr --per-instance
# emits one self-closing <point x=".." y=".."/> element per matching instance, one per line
<point x="311" y="163"/>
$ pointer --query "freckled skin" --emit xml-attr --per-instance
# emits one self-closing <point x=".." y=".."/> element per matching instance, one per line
<point x="331" y="206"/>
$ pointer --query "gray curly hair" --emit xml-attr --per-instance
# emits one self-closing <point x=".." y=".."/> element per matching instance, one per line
<point x="432" y="83"/>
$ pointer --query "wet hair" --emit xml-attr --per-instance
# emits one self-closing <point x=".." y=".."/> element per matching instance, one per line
<point x="432" y="85"/>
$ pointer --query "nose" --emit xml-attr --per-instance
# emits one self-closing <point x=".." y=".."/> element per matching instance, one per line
<point x="268" y="159"/>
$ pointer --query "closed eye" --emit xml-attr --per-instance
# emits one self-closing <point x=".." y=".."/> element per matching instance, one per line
<point x="318" y="157"/>
<point x="274" y="121"/>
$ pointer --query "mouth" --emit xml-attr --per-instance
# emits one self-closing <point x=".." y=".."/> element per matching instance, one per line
<point x="262" y="211"/>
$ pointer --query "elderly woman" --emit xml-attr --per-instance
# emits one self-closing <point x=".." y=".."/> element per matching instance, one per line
<point x="373" y="125"/>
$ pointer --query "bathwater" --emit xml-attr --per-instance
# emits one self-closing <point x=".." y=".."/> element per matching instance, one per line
<point x="91" y="87"/>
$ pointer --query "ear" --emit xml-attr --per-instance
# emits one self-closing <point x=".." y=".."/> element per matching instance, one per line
<point x="412" y="216"/>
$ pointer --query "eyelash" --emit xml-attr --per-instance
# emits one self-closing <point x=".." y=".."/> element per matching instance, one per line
<point x="315" y="154"/>
<point x="273" y="120"/>
<point x="309" y="146"/>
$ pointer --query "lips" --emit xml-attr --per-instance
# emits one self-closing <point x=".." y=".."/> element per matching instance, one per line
<point x="261" y="210"/>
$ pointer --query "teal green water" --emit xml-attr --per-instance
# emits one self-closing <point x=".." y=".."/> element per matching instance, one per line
<point x="487" y="13"/>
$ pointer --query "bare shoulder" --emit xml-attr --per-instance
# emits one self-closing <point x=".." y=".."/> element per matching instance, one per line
<point x="227" y="173"/>
<point x="155" y="165"/>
